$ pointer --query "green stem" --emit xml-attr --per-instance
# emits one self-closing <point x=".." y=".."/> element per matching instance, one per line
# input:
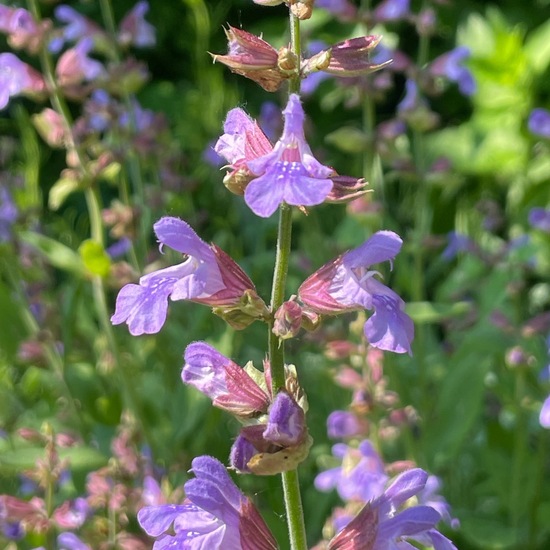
<point x="133" y="164"/>
<point x="291" y="484"/>
<point x="96" y="228"/>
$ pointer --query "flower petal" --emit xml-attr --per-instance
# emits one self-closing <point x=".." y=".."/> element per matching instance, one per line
<point x="179" y="235"/>
<point x="263" y="196"/>
<point x="389" y="328"/>
<point x="382" y="246"/>
<point x="155" y="520"/>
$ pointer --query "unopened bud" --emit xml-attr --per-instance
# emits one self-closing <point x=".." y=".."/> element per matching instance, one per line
<point x="302" y="9"/>
<point x="288" y="320"/>
<point x="287" y="61"/>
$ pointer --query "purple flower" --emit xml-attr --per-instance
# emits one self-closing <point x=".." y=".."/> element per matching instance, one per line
<point x="343" y="424"/>
<point x="276" y="443"/>
<point x="17" y="78"/>
<point x="342" y="8"/>
<point x="242" y="141"/>
<point x="346" y="284"/>
<point x="8" y="214"/>
<point x="229" y="386"/>
<point x="215" y="515"/>
<point x="75" y="67"/>
<point x="208" y="276"/>
<point x="456" y="243"/>
<point x="539" y="218"/>
<point x="383" y="524"/>
<point x="76" y="26"/>
<point x="451" y="66"/>
<point x="430" y="496"/>
<point x="135" y="30"/>
<point x="392" y="10"/>
<point x="22" y="29"/>
<point x="289" y="173"/>
<point x="412" y="99"/>
<point x="544" y="415"/>
<point x="69" y="541"/>
<point x="362" y="475"/>
<point x="539" y="123"/>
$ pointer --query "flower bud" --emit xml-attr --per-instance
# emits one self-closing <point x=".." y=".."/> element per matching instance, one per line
<point x="49" y="124"/>
<point x="229" y="386"/>
<point x="351" y="57"/>
<point x="287" y="61"/>
<point x="288" y="320"/>
<point x="251" y="57"/>
<point x="302" y="9"/>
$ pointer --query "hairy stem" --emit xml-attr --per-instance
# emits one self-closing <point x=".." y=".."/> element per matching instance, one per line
<point x="291" y="484"/>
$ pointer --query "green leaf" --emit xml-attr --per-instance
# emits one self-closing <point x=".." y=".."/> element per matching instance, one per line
<point x="427" y="312"/>
<point x="537" y="48"/>
<point x="57" y="254"/>
<point x="60" y="190"/>
<point x="348" y="139"/>
<point x="95" y="259"/>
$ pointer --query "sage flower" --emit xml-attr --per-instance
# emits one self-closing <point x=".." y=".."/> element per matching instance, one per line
<point x="289" y="173"/>
<point x="347" y="283"/>
<point x="215" y="514"/>
<point x="207" y="276"/>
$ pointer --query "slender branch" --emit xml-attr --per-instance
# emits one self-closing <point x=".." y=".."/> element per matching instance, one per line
<point x="291" y="485"/>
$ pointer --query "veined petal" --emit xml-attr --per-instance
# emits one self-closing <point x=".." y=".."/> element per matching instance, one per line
<point x="382" y="246"/>
<point x="263" y="196"/>
<point x="405" y="486"/>
<point x="389" y="328"/>
<point x="178" y="235"/>
<point x="143" y="308"/>
<point x="407" y="523"/>
<point x="156" y="520"/>
<point x="207" y="468"/>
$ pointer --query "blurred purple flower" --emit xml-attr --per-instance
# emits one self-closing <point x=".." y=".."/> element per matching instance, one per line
<point x="72" y="514"/>
<point x="429" y="496"/>
<point x="362" y="475"/>
<point x="21" y="28"/>
<point x="539" y="218"/>
<point x="208" y="276"/>
<point x="392" y="10"/>
<point x="228" y="386"/>
<point x="346" y="284"/>
<point x="289" y="173"/>
<point x="456" y="243"/>
<point x="270" y="119"/>
<point x="342" y="8"/>
<point x="383" y="524"/>
<point x="134" y="30"/>
<point x="69" y="541"/>
<point x="215" y="515"/>
<point x="539" y="123"/>
<point x="544" y="415"/>
<point x="77" y="26"/>
<point x="16" y="77"/>
<point x="119" y="248"/>
<point x="451" y="66"/>
<point x="75" y="66"/>
<point x="412" y="98"/>
<point x="342" y="424"/>
<point x="8" y="214"/>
